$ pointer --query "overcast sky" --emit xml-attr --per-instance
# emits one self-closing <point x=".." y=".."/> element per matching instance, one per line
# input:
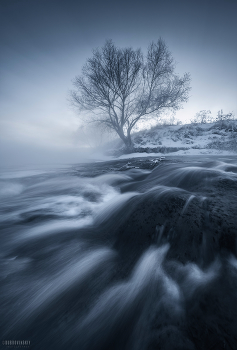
<point x="44" y="44"/>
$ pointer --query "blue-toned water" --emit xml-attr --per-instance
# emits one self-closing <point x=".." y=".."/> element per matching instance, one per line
<point x="117" y="255"/>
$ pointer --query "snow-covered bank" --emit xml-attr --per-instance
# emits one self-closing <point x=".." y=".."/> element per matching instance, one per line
<point x="218" y="138"/>
<point x="195" y="152"/>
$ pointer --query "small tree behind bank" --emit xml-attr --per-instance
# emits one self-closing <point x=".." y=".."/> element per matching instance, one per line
<point x="121" y="87"/>
<point x="221" y="116"/>
<point x="203" y="117"/>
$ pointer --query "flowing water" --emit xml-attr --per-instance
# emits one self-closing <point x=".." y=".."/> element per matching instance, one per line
<point x="120" y="256"/>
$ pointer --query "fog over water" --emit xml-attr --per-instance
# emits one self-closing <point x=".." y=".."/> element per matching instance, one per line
<point x="95" y="257"/>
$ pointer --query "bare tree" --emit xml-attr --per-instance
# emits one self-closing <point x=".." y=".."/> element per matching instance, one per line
<point x="221" y="116"/>
<point x="203" y="117"/>
<point x="121" y="88"/>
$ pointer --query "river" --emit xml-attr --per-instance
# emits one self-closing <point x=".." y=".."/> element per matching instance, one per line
<point x="125" y="254"/>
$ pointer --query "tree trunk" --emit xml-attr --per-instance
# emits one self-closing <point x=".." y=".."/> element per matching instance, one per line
<point x="126" y="139"/>
<point x="129" y="140"/>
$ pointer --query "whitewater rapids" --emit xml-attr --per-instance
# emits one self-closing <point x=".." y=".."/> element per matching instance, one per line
<point x="100" y="256"/>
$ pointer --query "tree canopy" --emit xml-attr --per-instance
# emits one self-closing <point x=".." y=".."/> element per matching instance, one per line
<point x="121" y="86"/>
